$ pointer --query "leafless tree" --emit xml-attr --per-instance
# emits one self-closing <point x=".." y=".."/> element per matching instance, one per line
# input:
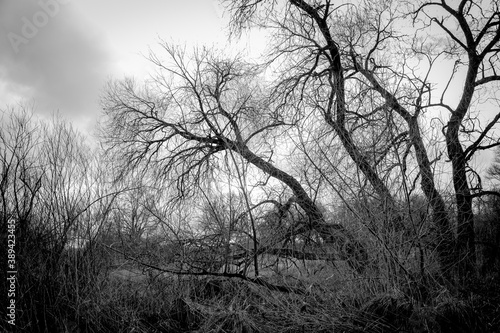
<point x="199" y="111"/>
<point x="367" y="69"/>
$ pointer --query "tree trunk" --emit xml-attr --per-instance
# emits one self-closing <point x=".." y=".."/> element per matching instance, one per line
<point x="337" y="104"/>
<point x="465" y="216"/>
<point x="348" y="247"/>
<point x="446" y="240"/>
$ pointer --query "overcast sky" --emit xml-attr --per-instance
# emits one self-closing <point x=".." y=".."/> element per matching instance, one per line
<point x="77" y="45"/>
<point x="58" y="54"/>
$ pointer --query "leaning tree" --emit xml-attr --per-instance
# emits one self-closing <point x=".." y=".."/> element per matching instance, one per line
<point x="383" y="69"/>
<point x="201" y="110"/>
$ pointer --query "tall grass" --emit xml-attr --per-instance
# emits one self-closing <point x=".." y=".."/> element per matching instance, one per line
<point x="77" y="291"/>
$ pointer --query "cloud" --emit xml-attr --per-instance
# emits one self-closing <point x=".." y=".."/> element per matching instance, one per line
<point x="60" y="65"/>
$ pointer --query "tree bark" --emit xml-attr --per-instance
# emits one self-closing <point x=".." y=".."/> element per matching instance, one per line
<point x="465" y="217"/>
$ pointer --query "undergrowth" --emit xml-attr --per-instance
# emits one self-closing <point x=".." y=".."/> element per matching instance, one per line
<point x="218" y="304"/>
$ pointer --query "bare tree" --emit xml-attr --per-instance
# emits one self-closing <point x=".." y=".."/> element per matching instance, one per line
<point x="196" y="112"/>
<point x="365" y="70"/>
<point x="472" y="30"/>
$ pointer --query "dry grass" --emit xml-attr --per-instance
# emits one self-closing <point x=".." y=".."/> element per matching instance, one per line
<point x="83" y="294"/>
